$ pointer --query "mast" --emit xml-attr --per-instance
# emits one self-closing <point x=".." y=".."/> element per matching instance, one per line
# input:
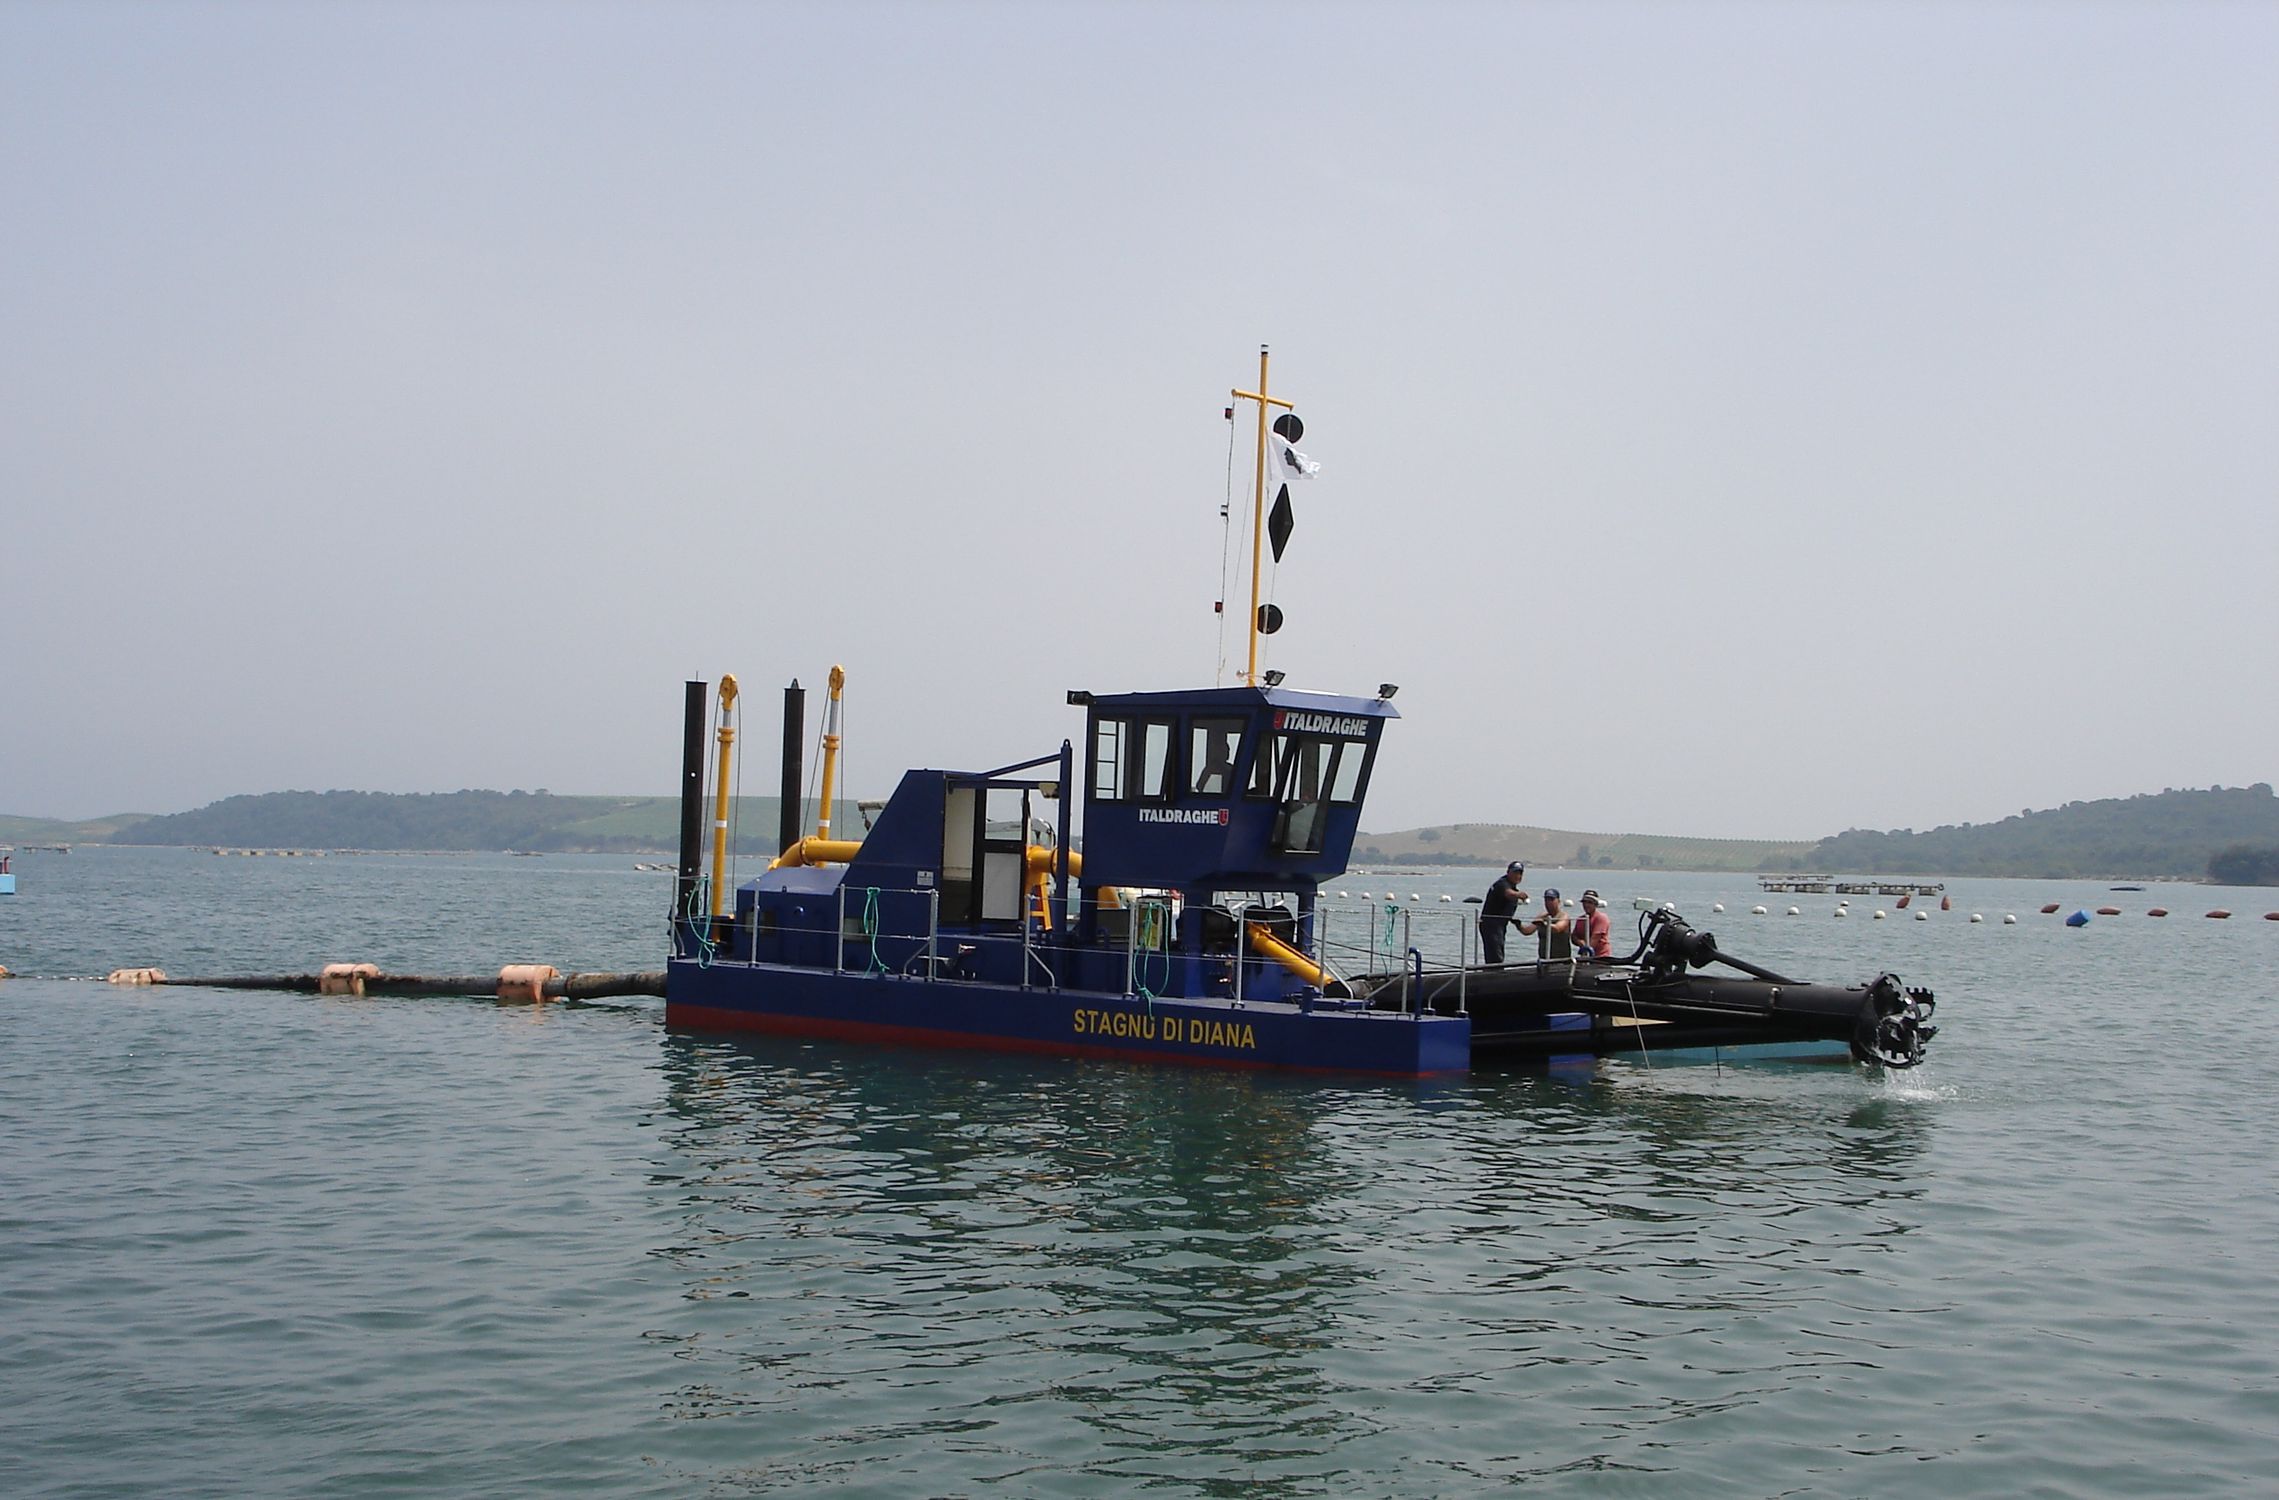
<point x="1258" y="506"/>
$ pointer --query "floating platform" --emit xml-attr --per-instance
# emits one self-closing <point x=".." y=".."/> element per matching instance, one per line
<point x="1183" y="924"/>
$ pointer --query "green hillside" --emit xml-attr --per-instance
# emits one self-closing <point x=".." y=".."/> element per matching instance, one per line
<point x="2155" y="835"/>
<point x="2170" y="835"/>
<point x="16" y="830"/>
<point x="464" y="820"/>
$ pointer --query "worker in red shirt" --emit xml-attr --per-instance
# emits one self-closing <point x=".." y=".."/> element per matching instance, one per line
<point x="1594" y="929"/>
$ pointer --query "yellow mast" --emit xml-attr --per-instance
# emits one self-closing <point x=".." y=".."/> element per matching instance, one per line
<point x="1258" y="505"/>
<point x="830" y="749"/>
<point x="720" y="798"/>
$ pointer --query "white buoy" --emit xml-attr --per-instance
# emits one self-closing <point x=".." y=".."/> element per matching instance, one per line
<point x="1367" y="897"/>
<point x="1795" y="911"/>
<point x="1841" y="912"/>
<point x="1719" y="906"/>
<point x="1413" y="896"/>
<point x="1447" y="898"/>
<point x="1341" y="895"/>
<point x="1978" y="916"/>
<point x="1756" y="911"/>
<point x="1922" y="916"/>
<point x="2010" y="919"/>
<point x="1879" y="916"/>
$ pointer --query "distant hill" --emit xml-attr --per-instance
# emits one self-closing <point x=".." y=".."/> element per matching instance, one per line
<point x="2155" y="835"/>
<point x="1501" y="843"/>
<point x="465" y="820"/>
<point x="15" y="830"/>
<point x="2171" y="835"/>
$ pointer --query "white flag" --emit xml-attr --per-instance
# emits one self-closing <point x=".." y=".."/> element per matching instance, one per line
<point x="1283" y="460"/>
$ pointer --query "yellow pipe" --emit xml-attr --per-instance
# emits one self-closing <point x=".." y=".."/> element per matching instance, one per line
<point x="830" y="749"/>
<point x="818" y="851"/>
<point x="821" y="851"/>
<point x="1041" y="858"/>
<point x="720" y="798"/>
<point x="1039" y="882"/>
<point x="1270" y="946"/>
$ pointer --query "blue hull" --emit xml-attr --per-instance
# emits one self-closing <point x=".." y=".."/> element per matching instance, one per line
<point x="1189" y="1032"/>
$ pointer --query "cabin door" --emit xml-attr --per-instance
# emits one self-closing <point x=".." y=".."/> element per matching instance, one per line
<point x="1004" y="854"/>
<point x="984" y="856"/>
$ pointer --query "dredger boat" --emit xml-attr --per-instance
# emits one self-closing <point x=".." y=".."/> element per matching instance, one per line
<point x="1189" y="927"/>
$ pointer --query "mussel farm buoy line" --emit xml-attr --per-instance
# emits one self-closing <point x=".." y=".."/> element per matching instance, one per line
<point x="523" y="983"/>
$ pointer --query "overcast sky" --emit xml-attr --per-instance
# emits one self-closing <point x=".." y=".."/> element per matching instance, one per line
<point x="1735" y="420"/>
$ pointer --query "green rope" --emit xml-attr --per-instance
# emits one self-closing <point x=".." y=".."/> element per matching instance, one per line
<point x="870" y="928"/>
<point x="1151" y="918"/>
<point x="701" y="927"/>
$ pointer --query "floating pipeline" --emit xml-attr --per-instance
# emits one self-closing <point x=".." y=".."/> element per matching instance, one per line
<point x="515" y="983"/>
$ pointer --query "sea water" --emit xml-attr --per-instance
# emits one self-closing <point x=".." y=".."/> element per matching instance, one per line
<point x="270" y="1244"/>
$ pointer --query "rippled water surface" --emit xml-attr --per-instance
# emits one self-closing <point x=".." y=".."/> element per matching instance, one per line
<point x="271" y="1244"/>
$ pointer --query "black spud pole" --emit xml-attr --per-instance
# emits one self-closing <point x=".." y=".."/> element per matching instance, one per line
<point x="692" y="818"/>
<point x="792" y="822"/>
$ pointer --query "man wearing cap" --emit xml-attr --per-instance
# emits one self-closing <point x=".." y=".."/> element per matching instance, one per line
<point x="1594" y="929"/>
<point x="1554" y="931"/>
<point x="1497" y="909"/>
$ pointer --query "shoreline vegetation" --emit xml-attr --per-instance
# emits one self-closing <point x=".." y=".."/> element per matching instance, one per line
<point x="2226" y="834"/>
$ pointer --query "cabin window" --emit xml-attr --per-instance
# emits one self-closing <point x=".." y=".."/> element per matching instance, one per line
<point x="1310" y="773"/>
<point x="1352" y="761"/>
<point x="1155" y="758"/>
<point x="1132" y="760"/>
<point x="1212" y="746"/>
<point x="1108" y="755"/>
<point x="1306" y="767"/>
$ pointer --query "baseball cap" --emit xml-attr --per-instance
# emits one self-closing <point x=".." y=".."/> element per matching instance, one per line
<point x="1516" y="867"/>
<point x="1551" y="893"/>
<point x="1590" y="895"/>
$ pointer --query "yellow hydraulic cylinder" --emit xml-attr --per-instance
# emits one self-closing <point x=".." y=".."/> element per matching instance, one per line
<point x="720" y="798"/>
<point x="1270" y="946"/>
<point x="830" y="749"/>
